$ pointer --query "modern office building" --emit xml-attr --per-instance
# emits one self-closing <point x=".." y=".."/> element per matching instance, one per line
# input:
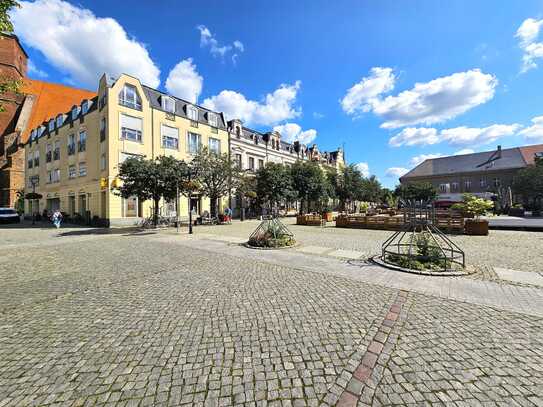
<point x="73" y="157"/>
<point x="485" y="174"/>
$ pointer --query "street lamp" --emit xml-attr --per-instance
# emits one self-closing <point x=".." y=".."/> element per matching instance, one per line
<point x="33" y="181"/>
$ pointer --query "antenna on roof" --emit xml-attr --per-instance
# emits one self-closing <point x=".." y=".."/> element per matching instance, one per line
<point x="496" y="155"/>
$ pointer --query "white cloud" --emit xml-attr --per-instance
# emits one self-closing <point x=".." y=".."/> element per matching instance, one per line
<point x="207" y="39"/>
<point x="33" y="70"/>
<point x="396" y="172"/>
<point x="436" y="101"/>
<point x="80" y="44"/>
<point x="361" y="97"/>
<point x="318" y="115"/>
<point x="291" y="132"/>
<point x="413" y="136"/>
<point x="364" y="169"/>
<point x="527" y="34"/>
<point x="184" y="81"/>
<point x="275" y="107"/>
<point x="534" y="133"/>
<point x="423" y="157"/>
<point x="473" y="135"/>
<point x="464" y="151"/>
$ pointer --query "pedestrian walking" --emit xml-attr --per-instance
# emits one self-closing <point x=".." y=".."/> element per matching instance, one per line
<point x="56" y="218"/>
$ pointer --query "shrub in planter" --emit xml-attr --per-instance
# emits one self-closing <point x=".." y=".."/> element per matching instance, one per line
<point x="327" y="214"/>
<point x="475" y="207"/>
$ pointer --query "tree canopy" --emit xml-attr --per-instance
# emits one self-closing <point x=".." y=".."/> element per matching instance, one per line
<point x="151" y="179"/>
<point x="529" y="181"/>
<point x="309" y="183"/>
<point x="419" y="191"/>
<point x="273" y="184"/>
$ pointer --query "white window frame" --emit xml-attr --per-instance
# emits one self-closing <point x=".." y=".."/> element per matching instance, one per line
<point x="213" y="139"/>
<point x="163" y="136"/>
<point x="75" y="112"/>
<point x="164" y="101"/>
<point x="72" y="172"/>
<point x="212" y="119"/>
<point x="85" y="106"/>
<point x="138" y="139"/>
<point x="60" y="120"/>
<point x="83" y="165"/>
<point x="102" y="161"/>
<point x="82" y="146"/>
<point x="189" y="144"/>
<point x="192" y="113"/>
<point x="51" y="125"/>
<point x="55" y="175"/>
<point x="125" y="101"/>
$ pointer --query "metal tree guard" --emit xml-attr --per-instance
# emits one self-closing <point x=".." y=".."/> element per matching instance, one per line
<point x="270" y="228"/>
<point x="419" y="221"/>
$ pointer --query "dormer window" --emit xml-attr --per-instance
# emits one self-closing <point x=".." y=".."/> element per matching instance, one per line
<point x="168" y="104"/>
<point x="129" y="97"/>
<point x="85" y="106"/>
<point x="60" y="120"/>
<point x="192" y="113"/>
<point x="75" y="112"/>
<point x="51" y="124"/>
<point x="212" y="119"/>
<point x="40" y="130"/>
<point x="33" y="135"/>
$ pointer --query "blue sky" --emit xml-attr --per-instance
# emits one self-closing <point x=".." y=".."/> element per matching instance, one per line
<point x="344" y="71"/>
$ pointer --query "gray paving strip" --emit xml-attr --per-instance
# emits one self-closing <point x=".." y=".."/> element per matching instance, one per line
<point x="516" y="276"/>
<point x="525" y="300"/>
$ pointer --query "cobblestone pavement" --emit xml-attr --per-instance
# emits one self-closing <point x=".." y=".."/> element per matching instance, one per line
<point x="515" y="250"/>
<point x="137" y="320"/>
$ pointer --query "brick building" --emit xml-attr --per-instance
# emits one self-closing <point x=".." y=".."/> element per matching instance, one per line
<point x="484" y="174"/>
<point x="37" y="102"/>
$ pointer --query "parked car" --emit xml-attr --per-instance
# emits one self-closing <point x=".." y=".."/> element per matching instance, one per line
<point x="9" y="215"/>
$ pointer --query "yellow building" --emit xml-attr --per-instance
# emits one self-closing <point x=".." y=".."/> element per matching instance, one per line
<point x="73" y="159"/>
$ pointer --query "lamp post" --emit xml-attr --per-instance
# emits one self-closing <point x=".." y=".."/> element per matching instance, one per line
<point x="177" y="207"/>
<point x="33" y="182"/>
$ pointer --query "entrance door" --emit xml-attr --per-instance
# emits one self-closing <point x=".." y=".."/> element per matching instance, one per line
<point x="82" y="205"/>
<point x="103" y="199"/>
<point x="71" y="205"/>
<point x="195" y="205"/>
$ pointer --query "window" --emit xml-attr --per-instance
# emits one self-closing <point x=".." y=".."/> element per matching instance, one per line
<point x="168" y="104"/>
<point x="56" y="152"/>
<point x="102" y="162"/>
<point x="82" y="169"/>
<point x="75" y="112"/>
<point x="51" y="125"/>
<point x="30" y="161"/>
<point x="102" y="102"/>
<point x="36" y="158"/>
<point x="192" y="113"/>
<point x="129" y="97"/>
<point x="60" y="120"/>
<point x="212" y="119"/>
<point x="102" y="129"/>
<point x="251" y="163"/>
<point x="467" y="185"/>
<point x="33" y="135"/>
<point x="170" y="137"/>
<point x="85" y="107"/>
<point x="443" y="188"/>
<point x="482" y="183"/>
<point x="71" y="144"/>
<point x="131" y="128"/>
<point x="260" y="164"/>
<point x="214" y="145"/>
<point x="193" y="143"/>
<point x="72" y="171"/>
<point x="49" y="177"/>
<point x="56" y="175"/>
<point x="48" y="153"/>
<point x="238" y="161"/>
<point x="454" y="186"/>
<point x="496" y="182"/>
<point x="82" y="145"/>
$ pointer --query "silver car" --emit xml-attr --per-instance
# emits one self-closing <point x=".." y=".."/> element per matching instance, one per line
<point x="9" y="215"/>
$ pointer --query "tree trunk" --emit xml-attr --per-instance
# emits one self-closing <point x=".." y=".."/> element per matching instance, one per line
<point x="155" y="211"/>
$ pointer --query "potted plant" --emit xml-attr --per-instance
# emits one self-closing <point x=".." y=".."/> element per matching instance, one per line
<point x="364" y="206"/>
<point x="475" y="207"/>
<point x="327" y="214"/>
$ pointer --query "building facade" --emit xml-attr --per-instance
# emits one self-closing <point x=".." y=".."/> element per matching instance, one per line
<point x="73" y="158"/>
<point x="36" y="102"/>
<point x="487" y="174"/>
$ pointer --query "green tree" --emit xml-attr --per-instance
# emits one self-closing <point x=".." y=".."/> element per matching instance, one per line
<point x="419" y="191"/>
<point x="528" y="182"/>
<point x="273" y="185"/>
<point x="370" y="190"/>
<point x="348" y="185"/>
<point x="216" y="174"/>
<point x="310" y="184"/>
<point x="7" y="84"/>
<point x="152" y="179"/>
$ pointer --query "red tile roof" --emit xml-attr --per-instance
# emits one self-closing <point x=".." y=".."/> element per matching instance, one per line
<point x="528" y="152"/>
<point x="51" y="99"/>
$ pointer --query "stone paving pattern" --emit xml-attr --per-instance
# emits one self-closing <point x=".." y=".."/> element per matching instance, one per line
<point x="124" y="320"/>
